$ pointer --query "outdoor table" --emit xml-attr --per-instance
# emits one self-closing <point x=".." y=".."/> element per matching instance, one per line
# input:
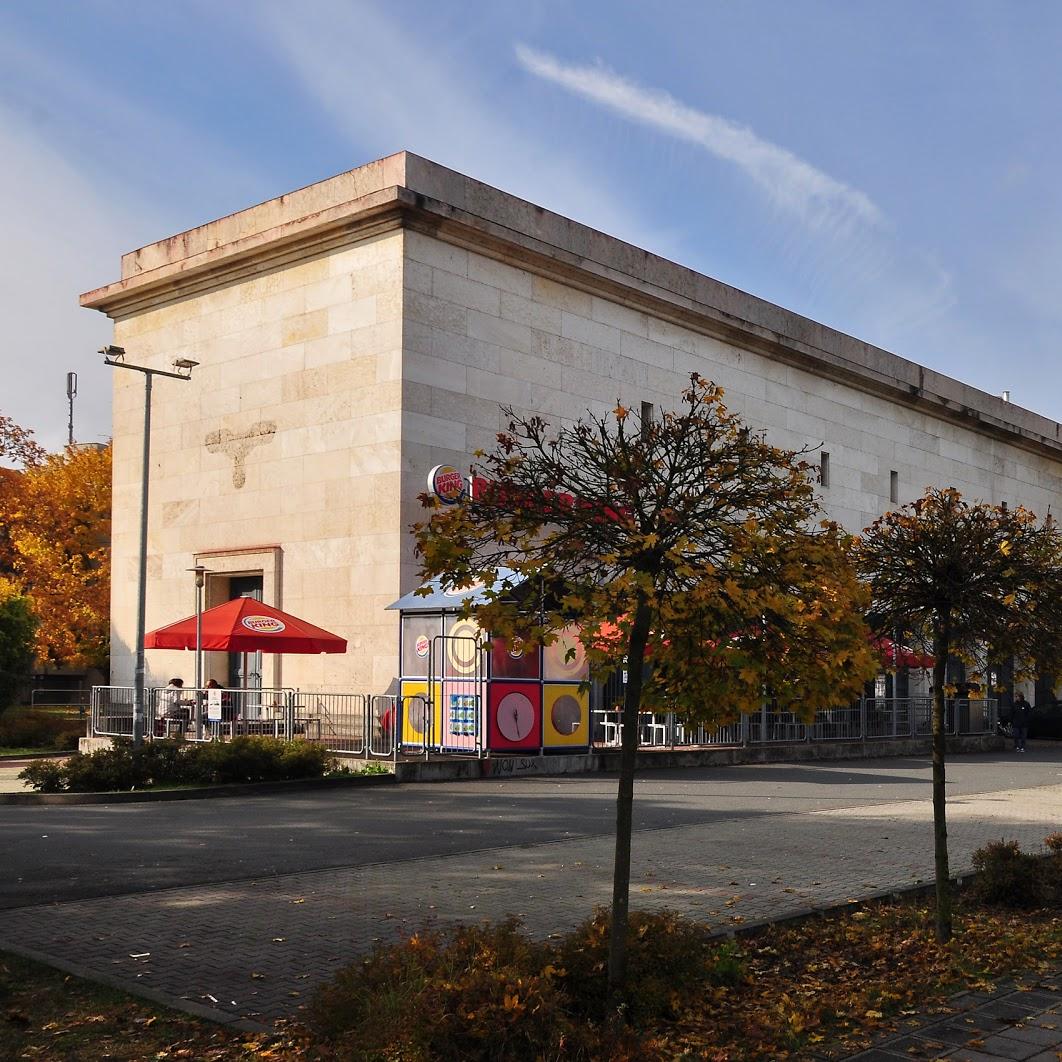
<point x="610" y="721"/>
<point x="648" y="726"/>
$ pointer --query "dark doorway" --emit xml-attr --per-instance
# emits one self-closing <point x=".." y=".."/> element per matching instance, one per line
<point x="245" y="586"/>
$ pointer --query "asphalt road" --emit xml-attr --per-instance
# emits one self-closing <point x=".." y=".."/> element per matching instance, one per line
<point x="68" y="852"/>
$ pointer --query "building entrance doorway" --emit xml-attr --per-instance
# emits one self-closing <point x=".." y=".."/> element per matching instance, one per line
<point x="245" y="669"/>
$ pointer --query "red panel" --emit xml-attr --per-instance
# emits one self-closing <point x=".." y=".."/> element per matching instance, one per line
<point x="515" y="715"/>
<point x="503" y="664"/>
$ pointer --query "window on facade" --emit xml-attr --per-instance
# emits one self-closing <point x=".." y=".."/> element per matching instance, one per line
<point x="647" y="414"/>
<point x="824" y="468"/>
<point x="894" y="487"/>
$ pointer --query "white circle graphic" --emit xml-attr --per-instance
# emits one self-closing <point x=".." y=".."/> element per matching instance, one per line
<point x="515" y="716"/>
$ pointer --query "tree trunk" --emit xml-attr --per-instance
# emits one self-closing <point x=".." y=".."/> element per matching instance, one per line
<point x="621" y="880"/>
<point x="941" y="640"/>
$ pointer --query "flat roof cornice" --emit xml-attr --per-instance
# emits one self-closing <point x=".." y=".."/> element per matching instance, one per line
<point x="406" y="191"/>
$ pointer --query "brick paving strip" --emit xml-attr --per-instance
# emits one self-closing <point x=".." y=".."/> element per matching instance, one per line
<point x="1017" y="1024"/>
<point x="253" y="950"/>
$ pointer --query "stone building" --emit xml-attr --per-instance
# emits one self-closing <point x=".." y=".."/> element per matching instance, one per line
<point x="354" y="333"/>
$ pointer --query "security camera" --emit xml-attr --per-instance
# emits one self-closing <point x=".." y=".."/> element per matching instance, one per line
<point x="111" y="351"/>
<point x="184" y="363"/>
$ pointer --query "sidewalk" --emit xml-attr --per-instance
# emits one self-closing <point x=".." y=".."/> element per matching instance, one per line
<point x="9" y="779"/>
<point x="1017" y="1024"/>
<point x="255" y="949"/>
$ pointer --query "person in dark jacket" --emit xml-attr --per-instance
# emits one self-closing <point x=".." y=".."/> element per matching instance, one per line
<point x="1019" y="721"/>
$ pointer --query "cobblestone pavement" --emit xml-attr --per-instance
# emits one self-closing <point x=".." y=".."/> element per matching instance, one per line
<point x="254" y="949"/>
<point x="1015" y="1023"/>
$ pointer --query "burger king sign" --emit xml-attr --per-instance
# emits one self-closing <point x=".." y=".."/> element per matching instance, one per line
<point x="447" y="484"/>
<point x="264" y="624"/>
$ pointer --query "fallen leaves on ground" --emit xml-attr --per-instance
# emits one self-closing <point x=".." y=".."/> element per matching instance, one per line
<point x="845" y="979"/>
<point x="822" y="989"/>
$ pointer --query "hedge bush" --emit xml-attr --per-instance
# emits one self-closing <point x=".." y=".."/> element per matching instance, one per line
<point x="670" y="960"/>
<point x="490" y="992"/>
<point x="1009" y="877"/>
<point x="27" y="729"/>
<point x="176" y="762"/>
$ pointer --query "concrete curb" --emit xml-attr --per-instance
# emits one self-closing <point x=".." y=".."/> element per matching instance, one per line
<point x="187" y="1006"/>
<point x="906" y="892"/>
<point x="606" y="761"/>
<point x="147" y="796"/>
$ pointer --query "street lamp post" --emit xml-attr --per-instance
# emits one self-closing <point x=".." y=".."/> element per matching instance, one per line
<point x="115" y="357"/>
<point x="200" y="582"/>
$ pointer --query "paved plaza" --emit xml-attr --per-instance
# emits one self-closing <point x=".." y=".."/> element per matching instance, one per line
<point x="243" y="906"/>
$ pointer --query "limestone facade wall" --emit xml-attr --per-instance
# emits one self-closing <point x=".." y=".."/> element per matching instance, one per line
<point x="479" y="332"/>
<point x="282" y="454"/>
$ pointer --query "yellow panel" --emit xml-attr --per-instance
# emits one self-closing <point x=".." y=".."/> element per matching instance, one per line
<point x="565" y="715"/>
<point x="413" y="711"/>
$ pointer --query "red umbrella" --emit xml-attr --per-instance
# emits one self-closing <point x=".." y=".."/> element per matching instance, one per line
<point x="244" y="625"/>
<point x="895" y="655"/>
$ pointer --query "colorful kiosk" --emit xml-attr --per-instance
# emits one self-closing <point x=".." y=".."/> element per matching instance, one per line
<point x="464" y="691"/>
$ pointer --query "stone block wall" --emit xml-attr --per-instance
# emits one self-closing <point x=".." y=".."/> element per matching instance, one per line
<point x="480" y="332"/>
<point x="287" y="435"/>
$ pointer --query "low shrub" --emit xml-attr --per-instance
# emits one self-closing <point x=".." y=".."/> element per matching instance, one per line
<point x="490" y="992"/>
<point x="259" y="759"/>
<point x="119" y="767"/>
<point x="27" y="729"/>
<point x="485" y="992"/>
<point x="670" y="961"/>
<point x="176" y="762"/>
<point x="1009" y="877"/>
<point x="46" y="776"/>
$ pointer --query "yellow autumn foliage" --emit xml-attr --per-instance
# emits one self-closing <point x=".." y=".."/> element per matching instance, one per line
<point x="56" y="518"/>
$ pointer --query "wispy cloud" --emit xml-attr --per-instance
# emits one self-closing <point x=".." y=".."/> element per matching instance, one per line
<point x="818" y="199"/>
<point x="345" y="57"/>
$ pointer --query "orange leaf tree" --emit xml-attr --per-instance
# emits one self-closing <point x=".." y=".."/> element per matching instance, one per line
<point x="57" y="520"/>
<point x="18" y="450"/>
<point x="693" y="537"/>
<point x="974" y="581"/>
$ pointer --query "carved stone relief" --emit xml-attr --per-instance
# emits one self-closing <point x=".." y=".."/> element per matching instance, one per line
<point x="237" y="445"/>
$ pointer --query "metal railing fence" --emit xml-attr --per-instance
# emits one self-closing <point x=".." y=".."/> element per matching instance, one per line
<point x="382" y="726"/>
<point x="111" y="712"/>
<point x="215" y="714"/>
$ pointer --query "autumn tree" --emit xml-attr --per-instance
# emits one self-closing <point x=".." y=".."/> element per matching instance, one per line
<point x="17" y="627"/>
<point x="18" y="451"/>
<point x="686" y="549"/>
<point x="974" y="581"/>
<point x="17" y="445"/>
<point x="56" y="519"/>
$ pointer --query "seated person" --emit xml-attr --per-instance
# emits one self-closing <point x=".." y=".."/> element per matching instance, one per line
<point x="174" y="706"/>
<point x="228" y="708"/>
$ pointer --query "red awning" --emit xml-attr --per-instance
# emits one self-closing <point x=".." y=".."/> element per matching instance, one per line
<point x="244" y="625"/>
<point x="894" y="655"/>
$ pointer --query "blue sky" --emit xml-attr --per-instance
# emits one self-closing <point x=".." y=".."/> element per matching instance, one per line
<point x="892" y="168"/>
